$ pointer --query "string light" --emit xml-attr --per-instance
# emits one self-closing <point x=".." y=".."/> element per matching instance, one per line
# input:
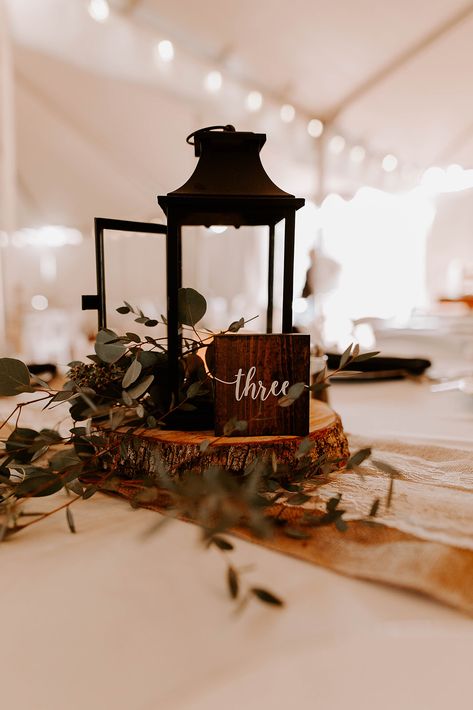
<point x="357" y="154"/>
<point x="389" y="163"/>
<point x="337" y="145"/>
<point x="99" y="10"/>
<point x="213" y="81"/>
<point x="254" y="101"/>
<point x="164" y="51"/>
<point x="287" y="113"/>
<point x="315" y="128"/>
<point x="39" y="302"/>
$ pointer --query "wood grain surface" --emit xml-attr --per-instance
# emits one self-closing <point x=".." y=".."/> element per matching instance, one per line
<point x="179" y="450"/>
<point x="252" y="373"/>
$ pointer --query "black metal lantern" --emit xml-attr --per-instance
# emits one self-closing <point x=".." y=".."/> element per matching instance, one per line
<point x="229" y="186"/>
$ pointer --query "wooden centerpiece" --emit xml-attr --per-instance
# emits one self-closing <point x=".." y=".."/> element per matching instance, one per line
<point x="147" y="451"/>
<point x="260" y="382"/>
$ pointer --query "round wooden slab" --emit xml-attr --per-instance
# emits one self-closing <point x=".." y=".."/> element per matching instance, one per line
<point x="147" y="450"/>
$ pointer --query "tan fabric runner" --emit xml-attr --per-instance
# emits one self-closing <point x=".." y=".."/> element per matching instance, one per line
<point x="423" y="542"/>
<point x="432" y="499"/>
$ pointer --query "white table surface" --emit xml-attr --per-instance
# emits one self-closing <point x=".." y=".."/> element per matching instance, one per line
<point x="104" y="619"/>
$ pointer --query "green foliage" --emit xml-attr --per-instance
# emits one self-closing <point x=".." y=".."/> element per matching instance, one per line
<point x="191" y="306"/>
<point x="126" y="383"/>
<point x="14" y="377"/>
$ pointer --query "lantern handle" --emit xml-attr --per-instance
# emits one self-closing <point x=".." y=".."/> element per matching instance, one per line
<point x="228" y="128"/>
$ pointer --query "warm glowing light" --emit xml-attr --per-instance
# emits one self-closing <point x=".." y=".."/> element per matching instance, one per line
<point x="287" y="113"/>
<point x="213" y="81"/>
<point x="47" y="236"/>
<point x="389" y="163"/>
<point x="218" y="228"/>
<point x="434" y="179"/>
<point x="164" y="51"/>
<point x="357" y="154"/>
<point x="254" y="101"/>
<point x="454" y="179"/>
<point x="300" y="305"/>
<point x="386" y="226"/>
<point x="454" y="172"/>
<point x="99" y="10"/>
<point x="39" y="302"/>
<point x="337" y="145"/>
<point x="315" y="128"/>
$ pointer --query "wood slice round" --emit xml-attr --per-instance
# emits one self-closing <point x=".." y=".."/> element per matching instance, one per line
<point x="147" y="450"/>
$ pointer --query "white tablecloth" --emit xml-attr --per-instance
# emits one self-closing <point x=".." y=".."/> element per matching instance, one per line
<point x="106" y="619"/>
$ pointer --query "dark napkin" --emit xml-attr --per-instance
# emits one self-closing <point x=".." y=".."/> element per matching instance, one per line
<point x="383" y="367"/>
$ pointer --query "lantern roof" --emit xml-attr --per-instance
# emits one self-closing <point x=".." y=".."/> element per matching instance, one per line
<point x="229" y="184"/>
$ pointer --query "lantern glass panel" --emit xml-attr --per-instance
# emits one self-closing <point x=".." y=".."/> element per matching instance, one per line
<point x="231" y="271"/>
<point x="134" y="273"/>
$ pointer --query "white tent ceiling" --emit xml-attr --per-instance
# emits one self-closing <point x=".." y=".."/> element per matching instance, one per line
<point x="100" y="128"/>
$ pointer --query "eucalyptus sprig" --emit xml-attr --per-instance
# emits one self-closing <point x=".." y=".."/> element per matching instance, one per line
<point x="125" y="382"/>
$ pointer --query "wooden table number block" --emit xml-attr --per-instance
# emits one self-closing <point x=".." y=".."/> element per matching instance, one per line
<point x="252" y="373"/>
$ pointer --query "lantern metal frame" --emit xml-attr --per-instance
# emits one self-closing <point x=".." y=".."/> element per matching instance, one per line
<point x="98" y="302"/>
<point x="233" y="191"/>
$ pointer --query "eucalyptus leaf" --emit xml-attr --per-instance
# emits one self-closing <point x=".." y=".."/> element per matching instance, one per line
<point x="70" y="520"/>
<point x="267" y="597"/>
<point x="40" y="452"/>
<point x="332" y="503"/>
<point x="374" y="508"/>
<point x="221" y="543"/>
<point x="14" y="377"/>
<point x="191" y="306"/>
<point x="365" y="356"/>
<point x="116" y="418"/>
<point x="236" y="325"/>
<point x="127" y="400"/>
<point x="43" y="484"/>
<point x="386" y="467"/>
<point x="21" y="444"/>
<point x="296" y="390"/>
<point x="233" y="582"/>
<point x="63" y="396"/>
<point x="389" y="497"/>
<point x="132" y="373"/>
<point x="358" y="457"/>
<point x="141" y="387"/>
<point x="341" y="524"/>
<point x="195" y="389"/>
<point x="63" y="460"/>
<point x="89" y="492"/>
<point x="345" y="357"/>
<point x="108" y="352"/>
<point x="298" y="499"/>
<point x="75" y="486"/>
<point x="149" y="359"/>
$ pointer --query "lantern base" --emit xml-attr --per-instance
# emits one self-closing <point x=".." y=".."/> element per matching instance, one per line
<point x="145" y="449"/>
